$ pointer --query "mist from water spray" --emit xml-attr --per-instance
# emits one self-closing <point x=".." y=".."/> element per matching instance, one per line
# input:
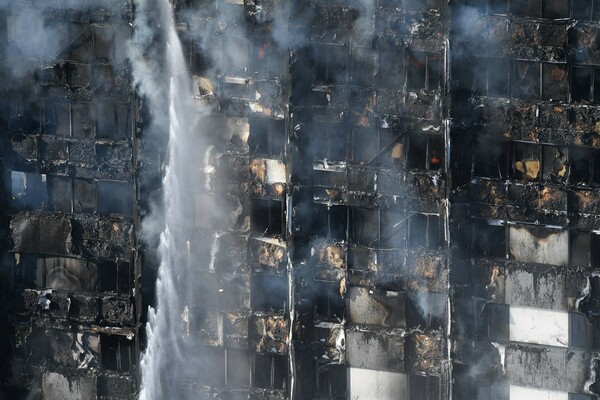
<point x="162" y="77"/>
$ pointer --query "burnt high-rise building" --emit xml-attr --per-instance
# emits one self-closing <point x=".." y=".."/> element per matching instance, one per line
<point x="374" y="199"/>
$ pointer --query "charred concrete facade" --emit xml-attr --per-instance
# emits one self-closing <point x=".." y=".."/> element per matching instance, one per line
<point x="412" y="190"/>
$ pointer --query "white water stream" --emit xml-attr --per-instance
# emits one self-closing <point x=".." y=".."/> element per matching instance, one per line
<point x="160" y="71"/>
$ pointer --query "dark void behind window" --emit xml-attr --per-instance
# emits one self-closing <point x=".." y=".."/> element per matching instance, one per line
<point x="526" y="8"/>
<point x="391" y="69"/>
<point x="422" y="5"/>
<point x="333" y="382"/>
<point x="57" y="118"/>
<point x="365" y="225"/>
<point x="394" y="225"/>
<point x="498" y="6"/>
<point x="366" y="145"/>
<point x="267" y="216"/>
<point x="84" y="198"/>
<point x="580" y="333"/>
<point x="579" y="253"/>
<point x="106" y="122"/>
<point x="490" y="158"/>
<point x="108" y="276"/>
<point x="117" y="352"/>
<point x="581" y="165"/>
<point x="555" y="9"/>
<point x="330" y="64"/>
<point x="416" y="70"/>
<point x="115" y="198"/>
<point x="581" y="9"/>
<point x="425" y="232"/>
<point x="61" y="193"/>
<point x="267" y="136"/>
<point x="84" y="120"/>
<point x="269" y="293"/>
<point x="330" y="222"/>
<point x="328" y="141"/>
<point x="488" y="240"/>
<point x="581" y="83"/>
<point x="498" y="321"/>
<point x="424" y="387"/>
<point x="330" y="306"/>
<point x="417" y="151"/>
<point x="364" y="67"/>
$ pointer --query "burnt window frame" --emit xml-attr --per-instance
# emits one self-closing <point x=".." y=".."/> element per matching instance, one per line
<point x="592" y="259"/>
<point x="50" y="117"/>
<point x="37" y="199"/>
<point x="433" y="241"/>
<point x="478" y="238"/>
<point x="541" y="70"/>
<point x="364" y="59"/>
<point x="266" y="292"/>
<point x="107" y="209"/>
<point x="75" y="205"/>
<point x="103" y="133"/>
<point x="326" y="375"/>
<point x="322" y="211"/>
<point x="326" y="63"/>
<point x="328" y="302"/>
<point x="114" y="343"/>
<point x="481" y="161"/>
<point x="593" y="10"/>
<point x="540" y="12"/>
<point x="272" y="149"/>
<point x="403" y="228"/>
<point x="534" y="149"/>
<point x="31" y="267"/>
<point x="270" y="64"/>
<point x="382" y="136"/>
<point x="432" y="385"/>
<point x="482" y="83"/>
<point x="396" y="58"/>
<point x="519" y="92"/>
<point x="426" y="164"/>
<point x="325" y="147"/>
<point x="111" y="277"/>
<point x="274" y="371"/>
<point x="429" y="83"/>
<point x="569" y="152"/>
<point x="19" y="110"/>
<point x="53" y="202"/>
<point x="548" y="82"/>
<point x="593" y="95"/>
<point x="271" y="228"/>
<point x="77" y="125"/>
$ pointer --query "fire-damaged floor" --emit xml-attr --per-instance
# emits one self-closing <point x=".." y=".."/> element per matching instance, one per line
<point x="390" y="199"/>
